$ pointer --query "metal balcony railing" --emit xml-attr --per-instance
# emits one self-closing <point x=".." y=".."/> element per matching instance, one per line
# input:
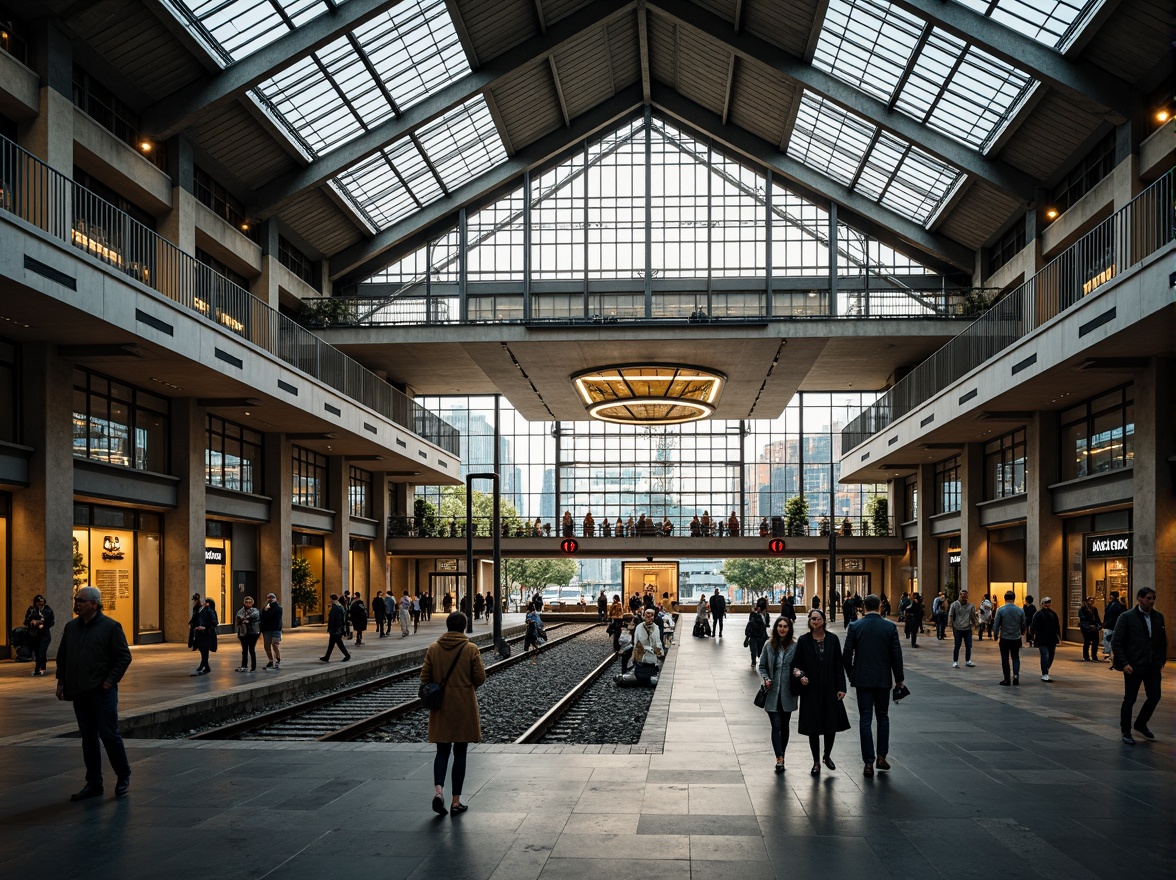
<point x="1120" y="242"/>
<point x="678" y="527"/>
<point x="69" y="212"/>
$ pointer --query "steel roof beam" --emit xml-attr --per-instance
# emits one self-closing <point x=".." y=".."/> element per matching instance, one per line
<point x="814" y="185"/>
<point x="362" y="260"/>
<point x="1073" y="77"/>
<point x="269" y="198"/>
<point x="1016" y="183"/>
<point x="180" y="109"/>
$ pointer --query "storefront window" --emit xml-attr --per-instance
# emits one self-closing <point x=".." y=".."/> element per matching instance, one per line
<point x="360" y="580"/>
<point x="310" y="548"/>
<point x="121" y="555"/>
<point x="309" y="478"/>
<point x="948" y="490"/>
<point x="233" y="456"/>
<point x="1004" y="466"/>
<point x="118" y="424"/>
<point x="1098" y="435"/>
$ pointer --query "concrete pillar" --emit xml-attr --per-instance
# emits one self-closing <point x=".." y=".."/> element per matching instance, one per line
<point x="893" y="578"/>
<point x="973" y="536"/>
<point x="1153" y="562"/>
<point x="928" y="550"/>
<point x="378" y="563"/>
<point x="275" y="550"/>
<point x="265" y="285"/>
<point x="42" y="513"/>
<point x="184" y="527"/>
<point x="179" y="225"/>
<point x="1044" y="553"/>
<point x="337" y="545"/>
<point x="49" y="135"/>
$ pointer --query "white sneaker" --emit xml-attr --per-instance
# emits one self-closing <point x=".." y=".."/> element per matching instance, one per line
<point x="955" y="665"/>
<point x="969" y="663"/>
<point x="1046" y="678"/>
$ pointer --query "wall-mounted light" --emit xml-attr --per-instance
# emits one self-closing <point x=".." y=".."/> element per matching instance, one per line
<point x="245" y="226"/>
<point x="1163" y="115"/>
<point x="145" y="146"/>
<point x="1051" y="213"/>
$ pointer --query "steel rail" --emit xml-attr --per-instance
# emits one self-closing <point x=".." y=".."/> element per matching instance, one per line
<point x="539" y="729"/>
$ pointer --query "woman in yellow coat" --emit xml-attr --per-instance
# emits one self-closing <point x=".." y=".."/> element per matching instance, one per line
<point x="455" y="663"/>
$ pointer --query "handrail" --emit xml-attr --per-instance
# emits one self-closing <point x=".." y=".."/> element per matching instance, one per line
<point x="1122" y="241"/>
<point x="69" y="212"/>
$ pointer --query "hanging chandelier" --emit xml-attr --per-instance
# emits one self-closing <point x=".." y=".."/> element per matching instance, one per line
<point x="649" y="394"/>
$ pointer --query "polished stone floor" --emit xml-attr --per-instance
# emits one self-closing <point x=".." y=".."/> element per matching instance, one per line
<point x="987" y="782"/>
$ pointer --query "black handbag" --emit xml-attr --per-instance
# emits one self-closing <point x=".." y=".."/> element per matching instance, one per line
<point x="431" y="692"/>
<point x="761" y="696"/>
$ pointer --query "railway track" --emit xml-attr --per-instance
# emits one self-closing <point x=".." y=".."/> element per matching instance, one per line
<point x="349" y="713"/>
<point x="560" y="722"/>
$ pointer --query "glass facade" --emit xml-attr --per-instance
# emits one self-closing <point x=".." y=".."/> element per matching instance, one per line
<point x="120" y="551"/>
<point x="618" y="473"/>
<point x="948" y="488"/>
<point x="1005" y="466"/>
<point x="119" y="424"/>
<point x="309" y="478"/>
<point x="1098" y="435"/>
<point x="232" y="457"/>
<point x="359" y="492"/>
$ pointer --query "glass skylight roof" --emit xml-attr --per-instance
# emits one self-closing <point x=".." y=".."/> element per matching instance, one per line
<point x="879" y="165"/>
<point x="241" y="27"/>
<point x="923" y="72"/>
<point x="421" y="168"/>
<point x="1056" y="23"/>
<point x="373" y="73"/>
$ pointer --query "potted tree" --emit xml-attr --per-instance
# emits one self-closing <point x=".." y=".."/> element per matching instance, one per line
<point x="302" y="588"/>
<point x="796" y="516"/>
<point x="880" y="516"/>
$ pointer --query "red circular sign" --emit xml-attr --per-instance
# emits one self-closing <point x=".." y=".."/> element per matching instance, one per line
<point x="569" y="545"/>
<point x="776" y="545"/>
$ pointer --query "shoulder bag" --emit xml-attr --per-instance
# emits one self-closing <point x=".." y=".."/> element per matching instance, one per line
<point x="431" y="693"/>
<point x="761" y="697"/>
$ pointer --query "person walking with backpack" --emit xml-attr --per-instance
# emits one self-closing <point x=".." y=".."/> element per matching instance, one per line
<point x="455" y="663"/>
<point x="755" y="634"/>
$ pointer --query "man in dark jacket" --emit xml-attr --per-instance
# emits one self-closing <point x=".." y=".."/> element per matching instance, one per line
<point x="1045" y="632"/>
<point x="1110" y="617"/>
<point x="270" y="625"/>
<point x="336" y="621"/>
<point x="380" y="610"/>
<point x="91" y="660"/>
<point x="718" y="609"/>
<point x="873" y="661"/>
<point x="1140" y="648"/>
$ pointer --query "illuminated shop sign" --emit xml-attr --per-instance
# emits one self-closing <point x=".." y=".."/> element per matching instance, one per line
<point x="214" y="555"/>
<point x="1108" y="545"/>
<point x="954" y="556"/>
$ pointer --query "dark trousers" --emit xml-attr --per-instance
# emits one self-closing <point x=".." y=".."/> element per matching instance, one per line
<point x="757" y="647"/>
<point x="874" y="703"/>
<point x="97" y="714"/>
<point x="381" y="623"/>
<point x="204" y="661"/>
<point x="1047" y="657"/>
<point x="719" y="625"/>
<point x="913" y="634"/>
<point x="337" y="639"/>
<point x="940" y="625"/>
<point x="1010" y="651"/>
<point x="1090" y="642"/>
<point x="625" y="658"/>
<point x="1150" y="679"/>
<point x="39" y="645"/>
<point x="815" y="745"/>
<point x="779" y="731"/>
<point x="249" y="650"/>
<point x="441" y="762"/>
<point x="965" y="636"/>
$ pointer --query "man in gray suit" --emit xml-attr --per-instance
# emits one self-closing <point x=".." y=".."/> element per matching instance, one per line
<point x="873" y="661"/>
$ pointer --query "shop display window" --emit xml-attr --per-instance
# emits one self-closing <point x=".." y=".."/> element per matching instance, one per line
<point x="119" y="424"/>
<point x="1098" y="435"/>
<point x="120" y="551"/>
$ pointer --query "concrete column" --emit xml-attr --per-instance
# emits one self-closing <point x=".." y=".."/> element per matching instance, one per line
<point x="1153" y="562"/>
<point x="893" y="577"/>
<point x="1044" y="553"/>
<point x="275" y="550"/>
<point x="336" y="546"/>
<point x="265" y="285"/>
<point x="928" y="551"/>
<point x="184" y="527"/>
<point x="42" y="513"/>
<point x="49" y="135"/>
<point x="179" y="225"/>
<point x="378" y="563"/>
<point x="973" y="536"/>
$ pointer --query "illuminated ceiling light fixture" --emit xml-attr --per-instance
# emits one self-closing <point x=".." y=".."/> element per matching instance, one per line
<point x="1163" y="115"/>
<point x="1051" y="213"/>
<point x="146" y="146"/>
<point x="649" y="394"/>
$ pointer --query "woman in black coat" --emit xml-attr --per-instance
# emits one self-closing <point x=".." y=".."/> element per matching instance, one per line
<point x="39" y="621"/>
<point x="914" y="619"/>
<point x="359" y="619"/>
<point x="204" y="634"/>
<point x="822" y="688"/>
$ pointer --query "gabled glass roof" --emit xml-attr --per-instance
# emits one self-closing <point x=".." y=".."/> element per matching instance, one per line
<point x="923" y="72"/>
<point x="875" y="163"/>
<point x="423" y="167"/>
<point x="1056" y="23"/>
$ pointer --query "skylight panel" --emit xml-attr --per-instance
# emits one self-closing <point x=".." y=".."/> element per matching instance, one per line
<point x="463" y="143"/>
<point x="925" y="73"/>
<point x="875" y="163"/>
<point x="1056" y="23"/>
<point x="360" y="80"/>
<point x="241" y="27"/>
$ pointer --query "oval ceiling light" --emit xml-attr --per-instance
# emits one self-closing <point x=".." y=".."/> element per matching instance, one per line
<point x="649" y="394"/>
